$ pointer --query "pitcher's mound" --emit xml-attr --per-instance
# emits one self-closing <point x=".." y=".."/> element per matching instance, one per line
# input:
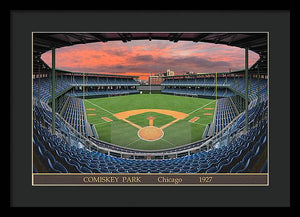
<point x="150" y="133"/>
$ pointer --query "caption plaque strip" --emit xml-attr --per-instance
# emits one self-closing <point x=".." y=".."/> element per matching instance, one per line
<point x="222" y="179"/>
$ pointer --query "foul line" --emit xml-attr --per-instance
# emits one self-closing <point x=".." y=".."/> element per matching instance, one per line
<point x="201" y="107"/>
<point x="169" y="124"/>
<point x="101" y="123"/>
<point x="169" y="142"/>
<point x="100" y="107"/>
<point x="132" y="142"/>
<point x="198" y="123"/>
<point x="133" y="124"/>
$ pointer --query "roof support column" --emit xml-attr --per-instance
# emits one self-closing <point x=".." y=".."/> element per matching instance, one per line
<point x="246" y="89"/>
<point x="83" y="86"/>
<point x="50" y="82"/>
<point x="55" y="80"/>
<point x="39" y="85"/>
<point x="53" y="90"/>
<point x="258" y="88"/>
<point x="234" y="81"/>
<point x="249" y="84"/>
<point x="216" y="87"/>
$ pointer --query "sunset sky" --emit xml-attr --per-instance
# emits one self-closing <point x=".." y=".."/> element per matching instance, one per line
<point x="141" y="57"/>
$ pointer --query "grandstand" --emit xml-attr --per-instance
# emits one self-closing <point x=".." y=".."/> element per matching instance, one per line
<point x="235" y="142"/>
<point x="74" y="114"/>
<point x="201" y="86"/>
<point x="225" y="113"/>
<point x="228" y="89"/>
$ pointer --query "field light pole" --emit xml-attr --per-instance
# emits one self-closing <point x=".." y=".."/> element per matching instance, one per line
<point x="246" y="88"/>
<point x="216" y="87"/>
<point x="53" y="90"/>
<point x="150" y="82"/>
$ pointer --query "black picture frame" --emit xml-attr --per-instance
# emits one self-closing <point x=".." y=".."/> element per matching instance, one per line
<point x="277" y="23"/>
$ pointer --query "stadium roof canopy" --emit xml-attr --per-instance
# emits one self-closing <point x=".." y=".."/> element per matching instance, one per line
<point x="257" y="42"/>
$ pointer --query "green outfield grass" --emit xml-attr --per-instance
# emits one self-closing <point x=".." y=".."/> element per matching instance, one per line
<point x="122" y="133"/>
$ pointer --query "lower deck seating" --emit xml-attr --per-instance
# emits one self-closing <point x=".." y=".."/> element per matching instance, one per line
<point x="196" y="86"/>
<point x="75" y="115"/>
<point x="224" y="114"/>
<point x="236" y="156"/>
<point x="198" y="92"/>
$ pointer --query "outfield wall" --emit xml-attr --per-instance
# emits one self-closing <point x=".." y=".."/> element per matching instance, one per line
<point x="102" y="96"/>
<point x="149" y="87"/>
<point x="196" y="96"/>
<point x="152" y="91"/>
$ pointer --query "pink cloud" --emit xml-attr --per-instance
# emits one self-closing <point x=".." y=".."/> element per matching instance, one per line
<point x="142" y="57"/>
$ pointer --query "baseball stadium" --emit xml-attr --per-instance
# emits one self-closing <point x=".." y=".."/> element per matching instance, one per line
<point x="87" y="122"/>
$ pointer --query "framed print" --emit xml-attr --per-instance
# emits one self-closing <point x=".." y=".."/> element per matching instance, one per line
<point x="113" y="116"/>
<point x="150" y="108"/>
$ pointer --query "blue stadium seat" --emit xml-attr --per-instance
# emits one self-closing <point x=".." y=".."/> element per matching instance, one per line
<point x="237" y="167"/>
<point x="211" y="170"/>
<point x="58" y="166"/>
<point x="51" y="166"/>
<point x="85" y="170"/>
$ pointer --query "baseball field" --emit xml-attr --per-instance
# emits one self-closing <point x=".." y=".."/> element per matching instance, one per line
<point x="150" y="121"/>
